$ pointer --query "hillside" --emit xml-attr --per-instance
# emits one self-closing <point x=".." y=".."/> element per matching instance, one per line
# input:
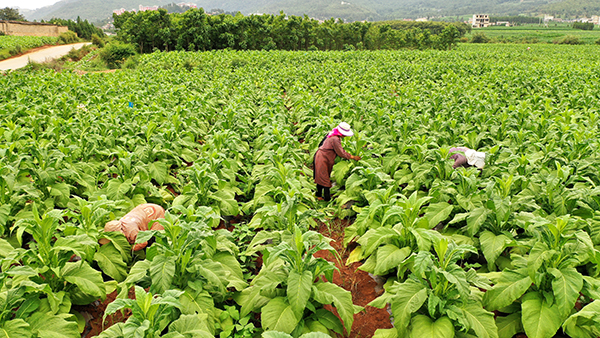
<point x="351" y="10"/>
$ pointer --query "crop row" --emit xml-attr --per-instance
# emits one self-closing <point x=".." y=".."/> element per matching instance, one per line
<point x="222" y="137"/>
<point x="25" y="42"/>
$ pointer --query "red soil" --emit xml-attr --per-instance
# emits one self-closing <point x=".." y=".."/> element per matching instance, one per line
<point x="93" y="315"/>
<point x="356" y="281"/>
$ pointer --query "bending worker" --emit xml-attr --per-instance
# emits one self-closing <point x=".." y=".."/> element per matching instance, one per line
<point x="465" y="157"/>
<point x="329" y="148"/>
<point x="137" y="220"/>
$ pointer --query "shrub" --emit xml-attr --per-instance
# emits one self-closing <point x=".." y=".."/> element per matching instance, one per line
<point x="479" y="38"/>
<point x="586" y="26"/>
<point x="2" y="33"/>
<point x="67" y="38"/>
<point x="96" y="40"/>
<point x="598" y="42"/>
<point x="568" y="40"/>
<point x="115" y="54"/>
<point x="131" y="62"/>
<point x="15" y="50"/>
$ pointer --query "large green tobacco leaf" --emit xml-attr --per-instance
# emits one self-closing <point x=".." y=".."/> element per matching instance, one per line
<point x="110" y="261"/>
<point x="250" y="299"/>
<point x="540" y="319"/>
<point x="438" y="212"/>
<point x="389" y="257"/>
<point x="423" y="327"/>
<point x="86" y="278"/>
<point x="191" y="325"/>
<point x="158" y="172"/>
<point x="480" y="320"/>
<point x="585" y="323"/>
<point x="328" y="293"/>
<point x="510" y="287"/>
<point x="278" y="315"/>
<point x="53" y="326"/>
<point x="299" y="290"/>
<point x="162" y="271"/>
<point x="476" y="218"/>
<point x="566" y="286"/>
<point x="16" y="328"/>
<point x="492" y="246"/>
<point x="408" y="300"/>
<point x="509" y="326"/>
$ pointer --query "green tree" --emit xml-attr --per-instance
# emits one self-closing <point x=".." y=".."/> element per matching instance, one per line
<point x="8" y="13"/>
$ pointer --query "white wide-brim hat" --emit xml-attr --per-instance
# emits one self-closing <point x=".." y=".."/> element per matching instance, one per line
<point x="344" y="129"/>
<point x="475" y="158"/>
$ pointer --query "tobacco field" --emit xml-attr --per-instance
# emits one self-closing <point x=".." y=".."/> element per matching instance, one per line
<point x="224" y="141"/>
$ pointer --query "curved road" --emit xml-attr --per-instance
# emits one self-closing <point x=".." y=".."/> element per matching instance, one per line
<point x="43" y="55"/>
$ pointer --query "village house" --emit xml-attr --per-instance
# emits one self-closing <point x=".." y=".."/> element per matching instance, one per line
<point x="480" y="20"/>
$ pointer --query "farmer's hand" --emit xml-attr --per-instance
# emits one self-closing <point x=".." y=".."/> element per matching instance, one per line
<point x="356" y="158"/>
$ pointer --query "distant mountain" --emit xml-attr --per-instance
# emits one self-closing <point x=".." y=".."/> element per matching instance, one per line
<point x="350" y="10"/>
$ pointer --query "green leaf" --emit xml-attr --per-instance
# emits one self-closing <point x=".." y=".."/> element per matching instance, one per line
<point x="510" y="288"/>
<point x="480" y="321"/>
<point x="566" y="286"/>
<point x="540" y="319"/>
<point x="110" y="261"/>
<point x="85" y="277"/>
<point x="250" y="299"/>
<point x="492" y="246"/>
<point x="476" y="218"/>
<point x="327" y="293"/>
<point x="53" y="326"/>
<point x="275" y="334"/>
<point x="115" y="331"/>
<point x="196" y="302"/>
<point x="162" y="271"/>
<point x="509" y="326"/>
<point x="299" y="290"/>
<point x="138" y="271"/>
<point x="16" y="328"/>
<point x="423" y="327"/>
<point x="278" y="315"/>
<point x="191" y="325"/>
<point x="329" y="320"/>
<point x="315" y="335"/>
<point x="409" y="298"/>
<point x="585" y="323"/>
<point x="386" y="333"/>
<point x="437" y="213"/>
<point x="4" y="213"/>
<point x="158" y="172"/>
<point x="389" y="257"/>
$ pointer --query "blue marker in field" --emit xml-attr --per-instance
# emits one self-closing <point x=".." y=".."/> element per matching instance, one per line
<point x="130" y="104"/>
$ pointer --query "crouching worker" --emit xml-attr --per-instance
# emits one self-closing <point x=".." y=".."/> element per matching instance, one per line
<point x="137" y="220"/>
<point x="465" y="157"/>
<point x="329" y="148"/>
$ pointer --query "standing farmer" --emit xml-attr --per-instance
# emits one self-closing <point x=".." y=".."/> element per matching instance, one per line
<point x="329" y="148"/>
<point x="465" y="157"/>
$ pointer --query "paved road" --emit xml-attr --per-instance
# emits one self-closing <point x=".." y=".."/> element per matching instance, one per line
<point x="43" y="55"/>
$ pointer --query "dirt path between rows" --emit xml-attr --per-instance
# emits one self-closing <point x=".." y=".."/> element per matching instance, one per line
<point x="41" y="54"/>
<point x="356" y="281"/>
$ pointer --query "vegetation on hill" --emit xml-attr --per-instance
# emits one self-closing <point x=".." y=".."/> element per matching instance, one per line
<point x="351" y="10"/>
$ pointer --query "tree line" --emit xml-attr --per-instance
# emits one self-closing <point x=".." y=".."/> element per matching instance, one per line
<point x="195" y="30"/>
<point x="83" y="28"/>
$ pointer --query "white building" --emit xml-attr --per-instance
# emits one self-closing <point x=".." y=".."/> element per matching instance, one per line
<point x="480" y="20"/>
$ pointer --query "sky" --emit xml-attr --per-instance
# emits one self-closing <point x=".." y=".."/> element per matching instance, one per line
<point x="26" y="4"/>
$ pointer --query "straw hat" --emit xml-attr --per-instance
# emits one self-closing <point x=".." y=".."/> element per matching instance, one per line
<point x="345" y="129"/>
<point x="475" y="158"/>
